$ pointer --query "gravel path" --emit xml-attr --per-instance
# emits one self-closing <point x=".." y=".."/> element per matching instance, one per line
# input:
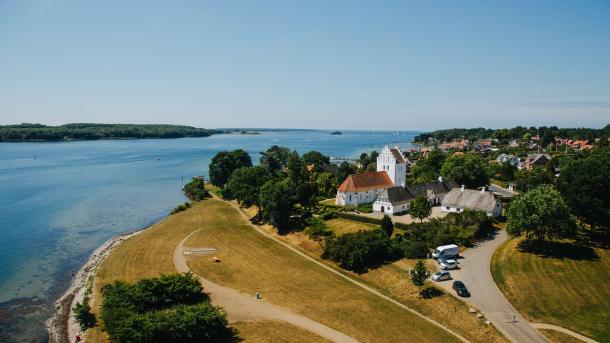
<point x="241" y="307"/>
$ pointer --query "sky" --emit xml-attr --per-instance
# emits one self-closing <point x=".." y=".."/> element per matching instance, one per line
<point x="395" y="65"/>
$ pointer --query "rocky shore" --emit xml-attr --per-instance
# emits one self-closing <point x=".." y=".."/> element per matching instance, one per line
<point x="61" y="325"/>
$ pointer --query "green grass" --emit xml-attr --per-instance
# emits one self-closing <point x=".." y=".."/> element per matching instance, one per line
<point x="564" y="284"/>
<point x="342" y="226"/>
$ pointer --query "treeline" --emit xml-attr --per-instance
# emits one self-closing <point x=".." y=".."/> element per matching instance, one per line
<point x="88" y="131"/>
<point x="546" y="134"/>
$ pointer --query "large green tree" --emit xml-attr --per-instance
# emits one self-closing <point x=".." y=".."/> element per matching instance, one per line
<point x="420" y="208"/>
<point x="585" y="185"/>
<point x="316" y="159"/>
<point x="245" y="185"/>
<point x="344" y="170"/>
<point x="276" y="201"/>
<point x="224" y="163"/>
<point x="530" y="179"/>
<point x="318" y="231"/>
<point x="275" y="158"/>
<point x="540" y="214"/>
<point x="470" y="170"/>
<point x="427" y="169"/>
<point x="386" y="225"/>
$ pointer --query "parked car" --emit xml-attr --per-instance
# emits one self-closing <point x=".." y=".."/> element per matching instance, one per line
<point x="449" y="264"/>
<point x="441" y="276"/>
<point x="460" y="288"/>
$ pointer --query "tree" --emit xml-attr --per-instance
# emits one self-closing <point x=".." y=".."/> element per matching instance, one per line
<point x="245" y="185"/>
<point x="419" y="274"/>
<point x="326" y="184"/>
<point x="304" y="190"/>
<point x="195" y="190"/>
<point x="344" y="170"/>
<point x="82" y="314"/>
<point x="275" y="158"/>
<point x="225" y="163"/>
<point x="386" y="225"/>
<point x="420" y="208"/>
<point x="318" y="231"/>
<point x="530" y="179"/>
<point x="427" y="169"/>
<point x="316" y="159"/>
<point x="469" y="169"/>
<point x="276" y="203"/>
<point x="585" y="185"/>
<point x="540" y="213"/>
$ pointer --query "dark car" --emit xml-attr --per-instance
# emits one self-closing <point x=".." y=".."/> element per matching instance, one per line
<point x="460" y="288"/>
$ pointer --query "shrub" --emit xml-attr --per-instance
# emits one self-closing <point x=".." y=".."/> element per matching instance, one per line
<point x="181" y="208"/>
<point x="82" y="314"/>
<point x="414" y="249"/>
<point x="358" y="250"/>
<point x="195" y="189"/>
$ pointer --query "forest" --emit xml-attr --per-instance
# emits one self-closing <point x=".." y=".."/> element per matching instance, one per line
<point x="90" y="131"/>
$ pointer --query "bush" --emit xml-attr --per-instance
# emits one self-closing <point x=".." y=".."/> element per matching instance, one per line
<point x="359" y="250"/>
<point x="181" y="208"/>
<point x="428" y="292"/>
<point x="414" y="249"/>
<point x="358" y="218"/>
<point x="170" y="308"/>
<point x="82" y="314"/>
<point x="195" y="190"/>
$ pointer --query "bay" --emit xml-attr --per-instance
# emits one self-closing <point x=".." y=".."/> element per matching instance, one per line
<point x="60" y="201"/>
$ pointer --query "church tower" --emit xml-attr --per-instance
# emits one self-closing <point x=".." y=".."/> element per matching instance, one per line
<point x="392" y="162"/>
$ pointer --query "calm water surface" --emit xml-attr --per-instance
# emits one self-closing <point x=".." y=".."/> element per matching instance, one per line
<point x="59" y="201"/>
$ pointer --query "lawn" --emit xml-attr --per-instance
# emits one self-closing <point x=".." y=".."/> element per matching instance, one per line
<point x="342" y="226"/>
<point x="276" y="332"/>
<point x="565" y="285"/>
<point x="253" y="263"/>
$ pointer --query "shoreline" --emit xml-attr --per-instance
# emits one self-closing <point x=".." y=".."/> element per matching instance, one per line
<point x="61" y="326"/>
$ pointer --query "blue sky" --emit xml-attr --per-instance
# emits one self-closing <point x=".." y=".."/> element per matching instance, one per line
<point x="397" y="65"/>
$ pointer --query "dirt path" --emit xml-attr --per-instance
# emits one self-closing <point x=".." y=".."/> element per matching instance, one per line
<point x="563" y="330"/>
<point x="330" y="269"/>
<point x="241" y="307"/>
<point x="476" y="273"/>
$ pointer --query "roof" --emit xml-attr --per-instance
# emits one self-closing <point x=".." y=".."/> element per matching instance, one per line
<point x="366" y="181"/>
<point x="533" y="158"/>
<point x="438" y="187"/>
<point x="471" y="199"/>
<point x="397" y="155"/>
<point x="396" y="195"/>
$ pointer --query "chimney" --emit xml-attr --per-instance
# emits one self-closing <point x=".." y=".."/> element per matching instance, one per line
<point x="483" y="189"/>
<point x="440" y="179"/>
<point x="462" y="188"/>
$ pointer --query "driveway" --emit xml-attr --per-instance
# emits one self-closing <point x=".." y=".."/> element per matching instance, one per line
<point x="486" y="297"/>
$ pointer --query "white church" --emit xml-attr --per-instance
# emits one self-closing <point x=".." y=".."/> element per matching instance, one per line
<point x="364" y="188"/>
<point x="386" y="188"/>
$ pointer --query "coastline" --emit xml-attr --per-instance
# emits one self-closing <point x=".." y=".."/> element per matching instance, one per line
<point x="61" y="326"/>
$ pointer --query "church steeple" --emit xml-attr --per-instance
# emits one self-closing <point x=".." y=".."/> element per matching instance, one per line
<point x="392" y="162"/>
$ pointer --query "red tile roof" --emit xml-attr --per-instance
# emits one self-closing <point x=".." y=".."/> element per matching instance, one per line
<point x="366" y="181"/>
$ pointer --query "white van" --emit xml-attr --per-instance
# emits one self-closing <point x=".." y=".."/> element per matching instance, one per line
<point x="446" y="251"/>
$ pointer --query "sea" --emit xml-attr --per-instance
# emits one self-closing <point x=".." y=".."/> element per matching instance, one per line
<point x="60" y="201"/>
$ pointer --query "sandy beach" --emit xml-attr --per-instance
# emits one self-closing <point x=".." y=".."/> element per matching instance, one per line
<point x="61" y="326"/>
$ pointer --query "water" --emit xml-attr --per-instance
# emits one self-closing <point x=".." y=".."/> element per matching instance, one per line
<point x="60" y="201"/>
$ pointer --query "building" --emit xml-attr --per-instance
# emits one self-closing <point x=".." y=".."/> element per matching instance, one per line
<point x="364" y="188"/>
<point x="393" y="200"/>
<point x="434" y="191"/>
<point x="460" y="199"/>
<point x="513" y="160"/>
<point x="536" y="160"/>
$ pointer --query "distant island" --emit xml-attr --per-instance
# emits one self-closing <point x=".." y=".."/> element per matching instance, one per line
<point x="91" y="131"/>
<point x="336" y="133"/>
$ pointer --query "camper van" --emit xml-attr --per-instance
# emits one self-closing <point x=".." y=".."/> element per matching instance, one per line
<point x="446" y="251"/>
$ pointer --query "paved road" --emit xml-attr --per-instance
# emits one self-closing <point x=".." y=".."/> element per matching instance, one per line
<point x="486" y="297"/>
<point x="501" y="191"/>
<point x="240" y="306"/>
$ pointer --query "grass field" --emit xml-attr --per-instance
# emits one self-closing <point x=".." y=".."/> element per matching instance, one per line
<point x="569" y="287"/>
<point x="392" y="279"/>
<point x="559" y="337"/>
<point x="253" y="263"/>
<point x="276" y="332"/>
<point x="342" y="226"/>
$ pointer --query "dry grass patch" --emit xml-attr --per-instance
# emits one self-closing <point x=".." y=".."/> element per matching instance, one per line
<point x="570" y="291"/>
<point x="559" y="337"/>
<point x="252" y="262"/>
<point x="342" y="226"/>
<point x="276" y="332"/>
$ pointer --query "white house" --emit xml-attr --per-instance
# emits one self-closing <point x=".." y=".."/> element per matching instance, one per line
<point x="513" y="160"/>
<point x="393" y="200"/>
<point x="459" y="199"/>
<point x="364" y="188"/>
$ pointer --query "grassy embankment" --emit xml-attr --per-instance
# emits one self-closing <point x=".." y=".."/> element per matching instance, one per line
<point x="567" y="285"/>
<point x="253" y="263"/>
<point x="392" y="280"/>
